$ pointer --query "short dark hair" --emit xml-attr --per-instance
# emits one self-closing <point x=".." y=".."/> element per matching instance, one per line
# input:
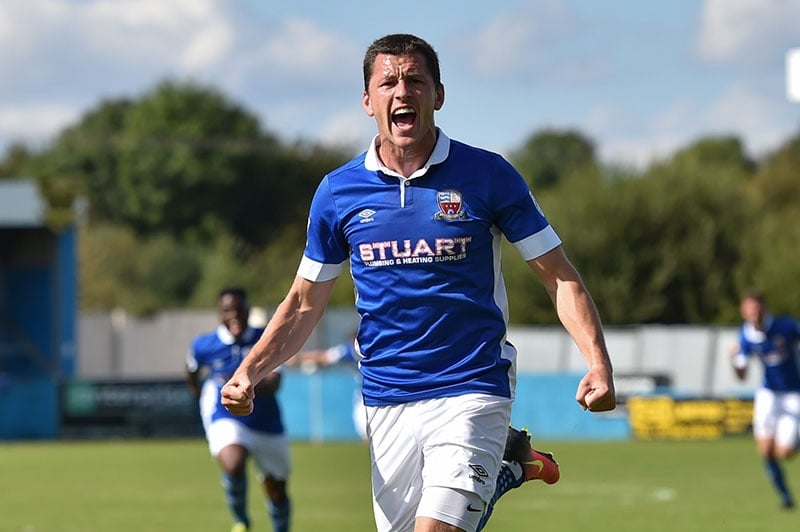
<point x="235" y="291"/>
<point x="754" y="294"/>
<point x="401" y="44"/>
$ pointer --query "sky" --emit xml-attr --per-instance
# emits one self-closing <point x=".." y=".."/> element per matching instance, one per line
<point x="640" y="79"/>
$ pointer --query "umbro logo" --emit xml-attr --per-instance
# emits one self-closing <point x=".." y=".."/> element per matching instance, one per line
<point x="367" y="216"/>
<point x="478" y="474"/>
<point x="479" y="470"/>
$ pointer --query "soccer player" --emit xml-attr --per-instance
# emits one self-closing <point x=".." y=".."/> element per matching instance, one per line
<point x="773" y="340"/>
<point x="212" y="359"/>
<point x="420" y="218"/>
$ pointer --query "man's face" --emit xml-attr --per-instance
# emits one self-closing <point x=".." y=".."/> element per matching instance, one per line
<point x="402" y="97"/>
<point x="233" y="313"/>
<point x="752" y="311"/>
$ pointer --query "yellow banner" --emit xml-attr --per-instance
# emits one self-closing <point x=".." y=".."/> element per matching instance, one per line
<point x="666" y="418"/>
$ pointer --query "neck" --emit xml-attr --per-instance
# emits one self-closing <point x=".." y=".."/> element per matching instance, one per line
<point x="407" y="160"/>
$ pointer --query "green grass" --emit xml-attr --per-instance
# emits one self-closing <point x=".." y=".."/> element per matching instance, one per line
<point x="161" y="485"/>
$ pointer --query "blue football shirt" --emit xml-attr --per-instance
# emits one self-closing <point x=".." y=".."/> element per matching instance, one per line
<point x="220" y="354"/>
<point x="424" y="254"/>
<point x="776" y="348"/>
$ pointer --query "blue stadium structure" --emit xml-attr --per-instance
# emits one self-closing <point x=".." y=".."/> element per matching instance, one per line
<point x="38" y="311"/>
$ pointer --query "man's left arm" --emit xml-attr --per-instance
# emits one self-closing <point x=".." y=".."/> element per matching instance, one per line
<point x="577" y="312"/>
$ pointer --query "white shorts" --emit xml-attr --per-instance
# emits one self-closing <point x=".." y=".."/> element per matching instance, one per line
<point x="359" y="415"/>
<point x="455" y="443"/>
<point x="776" y="415"/>
<point x="269" y="451"/>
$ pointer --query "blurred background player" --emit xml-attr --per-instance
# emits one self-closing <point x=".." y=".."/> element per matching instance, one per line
<point x="212" y="359"/>
<point x="776" y="412"/>
<point x="343" y="354"/>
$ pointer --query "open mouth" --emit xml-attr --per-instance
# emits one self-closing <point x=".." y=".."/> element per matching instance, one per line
<point x="235" y="327"/>
<point x="404" y="118"/>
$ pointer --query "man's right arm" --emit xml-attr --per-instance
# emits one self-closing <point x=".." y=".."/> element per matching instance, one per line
<point x="193" y="379"/>
<point x="192" y="372"/>
<point x="738" y="360"/>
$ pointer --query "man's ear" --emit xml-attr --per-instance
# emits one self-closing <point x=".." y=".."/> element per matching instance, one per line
<point x="367" y="104"/>
<point x="439" y="102"/>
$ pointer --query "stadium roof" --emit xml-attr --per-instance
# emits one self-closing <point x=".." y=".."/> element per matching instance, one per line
<point x="21" y="204"/>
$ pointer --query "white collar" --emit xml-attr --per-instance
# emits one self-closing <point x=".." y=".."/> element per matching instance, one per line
<point x="755" y="335"/>
<point x="227" y="338"/>
<point x="440" y="152"/>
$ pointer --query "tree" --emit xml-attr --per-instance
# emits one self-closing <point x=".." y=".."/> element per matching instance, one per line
<point x="14" y="159"/>
<point x="275" y="191"/>
<point x="176" y="174"/>
<point x="86" y="152"/>
<point x="167" y="162"/>
<point x="771" y="240"/>
<point x="550" y="155"/>
<point x="142" y="275"/>
<point x="655" y="247"/>
<point x="184" y="160"/>
<point x="180" y="158"/>
<point x="722" y="151"/>
<point x="186" y="193"/>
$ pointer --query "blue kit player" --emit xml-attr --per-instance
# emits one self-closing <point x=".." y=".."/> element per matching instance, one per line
<point x="211" y="361"/>
<point x="420" y="219"/>
<point x="773" y="340"/>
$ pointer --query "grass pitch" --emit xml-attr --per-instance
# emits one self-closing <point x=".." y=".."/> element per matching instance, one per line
<point x="158" y="485"/>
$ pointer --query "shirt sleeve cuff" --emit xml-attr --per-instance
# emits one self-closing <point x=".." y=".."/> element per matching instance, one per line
<point x="317" y="271"/>
<point x="538" y="244"/>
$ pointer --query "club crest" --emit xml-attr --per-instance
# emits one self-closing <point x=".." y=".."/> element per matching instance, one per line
<point x="450" y="204"/>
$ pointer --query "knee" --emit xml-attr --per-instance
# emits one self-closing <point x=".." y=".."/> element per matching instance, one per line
<point x="275" y="489"/>
<point x="234" y="469"/>
<point x="784" y="453"/>
<point x="766" y="449"/>
<point x="233" y="460"/>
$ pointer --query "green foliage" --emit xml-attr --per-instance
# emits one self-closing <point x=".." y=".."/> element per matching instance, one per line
<point x="771" y="263"/>
<point x="13" y="161"/>
<point x="183" y="160"/>
<point x="224" y="263"/>
<point x="62" y="192"/>
<point x="120" y="269"/>
<point x="715" y="151"/>
<point x="266" y="274"/>
<point x="778" y="183"/>
<point x="656" y="248"/>
<point x="659" y="247"/>
<point x="172" y="270"/>
<point x="772" y="240"/>
<point x="183" y="190"/>
<point x="87" y="150"/>
<point x="186" y="193"/>
<point x="110" y="269"/>
<point x="179" y="159"/>
<point x="550" y="155"/>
